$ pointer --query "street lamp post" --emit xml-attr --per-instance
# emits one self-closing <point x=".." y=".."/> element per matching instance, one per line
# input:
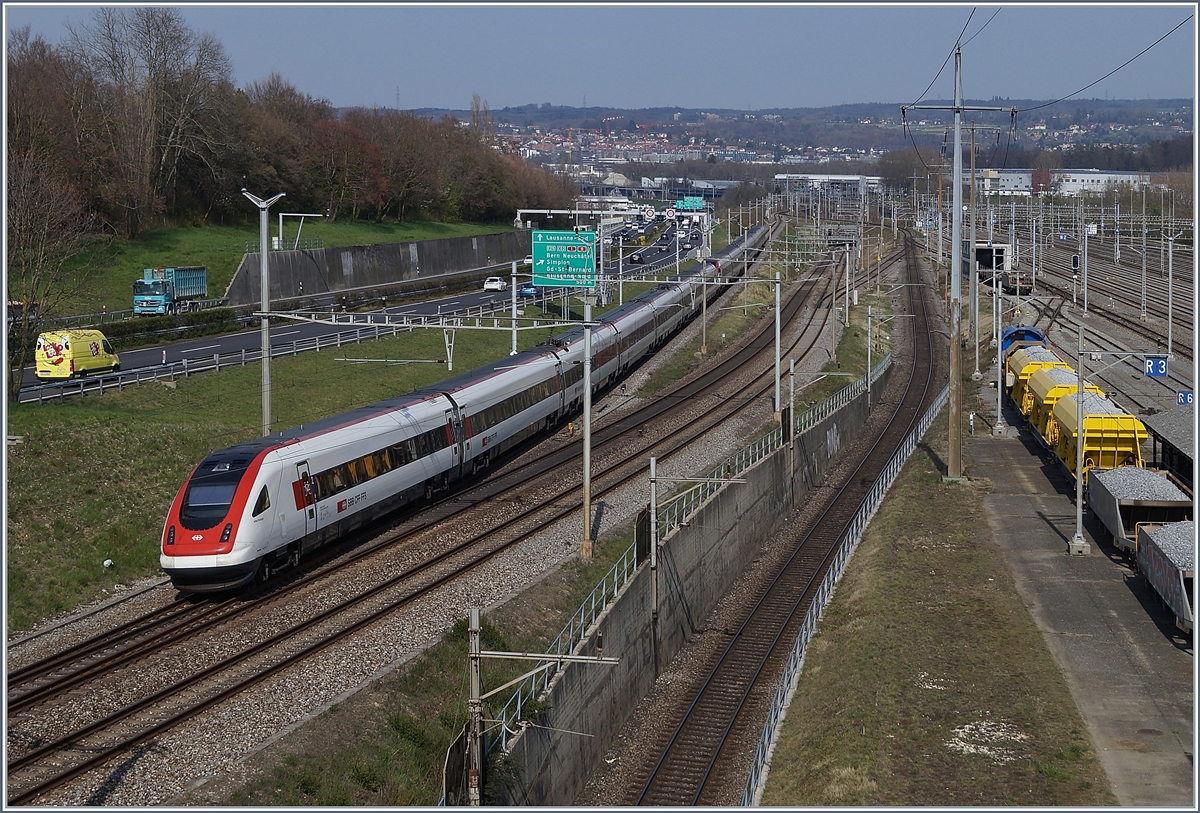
<point x="265" y="279"/>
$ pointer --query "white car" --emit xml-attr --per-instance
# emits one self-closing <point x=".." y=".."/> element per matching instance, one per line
<point x="495" y="284"/>
<point x="528" y="259"/>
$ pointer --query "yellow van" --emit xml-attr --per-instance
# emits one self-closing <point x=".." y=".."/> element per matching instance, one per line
<point x="71" y="353"/>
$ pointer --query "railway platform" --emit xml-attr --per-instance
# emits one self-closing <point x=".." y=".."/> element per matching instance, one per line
<point x="1129" y="669"/>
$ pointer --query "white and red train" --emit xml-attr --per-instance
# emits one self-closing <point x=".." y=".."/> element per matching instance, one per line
<point x="260" y="506"/>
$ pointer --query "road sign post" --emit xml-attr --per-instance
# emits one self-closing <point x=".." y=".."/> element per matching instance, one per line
<point x="564" y="259"/>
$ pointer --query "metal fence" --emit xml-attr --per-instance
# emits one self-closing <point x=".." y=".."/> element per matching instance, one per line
<point x="756" y="781"/>
<point x="572" y="635"/>
<point x="388" y="325"/>
<point x="276" y="244"/>
<point x="672" y="514"/>
<point x="669" y="517"/>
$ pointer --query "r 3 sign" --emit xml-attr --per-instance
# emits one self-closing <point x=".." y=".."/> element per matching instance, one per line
<point x="1155" y="366"/>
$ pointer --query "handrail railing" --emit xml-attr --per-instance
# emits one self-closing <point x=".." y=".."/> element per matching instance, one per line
<point x="756" y="781"/>
<point x="390" y="325"/>
<point x="679" y="509"/>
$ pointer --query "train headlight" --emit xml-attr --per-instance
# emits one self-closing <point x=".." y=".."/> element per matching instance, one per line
<point x="171" y="535"/>
<point x="225" y="533"/>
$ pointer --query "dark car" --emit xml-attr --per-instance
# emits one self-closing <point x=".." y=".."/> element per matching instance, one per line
<point x="528" y="290"/>
<point x="637" y="259"/>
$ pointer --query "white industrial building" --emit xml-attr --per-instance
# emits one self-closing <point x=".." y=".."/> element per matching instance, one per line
<point x="837" y="184"/>
<point x="1066" y="182"/>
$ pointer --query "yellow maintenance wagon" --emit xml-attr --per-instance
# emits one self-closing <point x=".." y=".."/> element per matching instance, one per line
<point x="1023" y="363"/>
<point x="1111" y="436"/>
<point x="1047" y="386"/>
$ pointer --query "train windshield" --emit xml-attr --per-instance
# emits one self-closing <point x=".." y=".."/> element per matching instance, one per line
<point x="209" y="494"/>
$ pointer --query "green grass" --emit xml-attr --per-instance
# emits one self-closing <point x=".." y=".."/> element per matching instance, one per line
<point x="93" y="477"/>
<point x="925" y="635"/>
<point x="220" y="249"/>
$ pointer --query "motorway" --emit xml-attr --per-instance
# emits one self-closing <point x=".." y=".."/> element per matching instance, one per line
<point x="660" y="257"/>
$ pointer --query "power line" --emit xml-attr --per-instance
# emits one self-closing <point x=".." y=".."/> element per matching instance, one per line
<point x="1110" y="73"/>
<point x="952" y="50"/>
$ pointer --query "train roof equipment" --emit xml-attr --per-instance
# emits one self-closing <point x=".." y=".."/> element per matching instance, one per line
<point x="1166" y="557"/>
<point x="1111" y="436"/>
<point x="1126" y="497"/>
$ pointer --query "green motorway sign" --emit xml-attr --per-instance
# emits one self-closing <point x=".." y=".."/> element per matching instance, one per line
<point x="564" y="258"/>
<point x="690" y="203"/>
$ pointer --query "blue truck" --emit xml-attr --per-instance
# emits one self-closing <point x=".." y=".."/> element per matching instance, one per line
<point x="170" y="290"/>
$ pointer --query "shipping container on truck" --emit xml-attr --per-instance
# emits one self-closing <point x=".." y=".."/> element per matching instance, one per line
<point x="170" y="290"/>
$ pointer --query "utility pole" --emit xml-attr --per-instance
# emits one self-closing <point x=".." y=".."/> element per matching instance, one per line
<point x="954" y="457"/>
<point x="973" y="266"/>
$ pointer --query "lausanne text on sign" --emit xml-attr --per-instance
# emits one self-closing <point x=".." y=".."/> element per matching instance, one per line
<point x="564" y="258"/>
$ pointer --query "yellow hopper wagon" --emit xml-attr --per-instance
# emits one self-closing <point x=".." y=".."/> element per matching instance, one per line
<point x="1048" y="385"/>
<point x="1111" y="436"/>
<point x="1023" y="363"/>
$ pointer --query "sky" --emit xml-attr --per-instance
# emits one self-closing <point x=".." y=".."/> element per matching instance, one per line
<point x="739" y="56"/>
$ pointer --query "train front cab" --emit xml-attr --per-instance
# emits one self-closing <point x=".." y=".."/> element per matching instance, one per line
<point x="199" y="543"/>
<point x="1016" y="336"/>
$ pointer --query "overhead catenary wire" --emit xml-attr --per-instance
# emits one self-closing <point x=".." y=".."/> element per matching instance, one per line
<point x="1110" y="73"/>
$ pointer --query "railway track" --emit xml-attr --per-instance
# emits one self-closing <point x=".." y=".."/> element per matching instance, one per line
<point x="40" y="763"/>
<point x="692" y="759"/>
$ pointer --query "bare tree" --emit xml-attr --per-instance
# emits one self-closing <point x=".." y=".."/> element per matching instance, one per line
<point x="159" y="93"/>
<point x="49" y="231"/>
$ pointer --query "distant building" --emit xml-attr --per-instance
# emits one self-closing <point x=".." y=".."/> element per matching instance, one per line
<point x="836" y="184"/>
<point x="1067" y="182"/>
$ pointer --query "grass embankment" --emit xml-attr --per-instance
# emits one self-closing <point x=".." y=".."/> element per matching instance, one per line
<point x="92" y="478"/>
<point x="387" y="745"/>
<point x="220" y="249"/>
<point x="928" y="683"/>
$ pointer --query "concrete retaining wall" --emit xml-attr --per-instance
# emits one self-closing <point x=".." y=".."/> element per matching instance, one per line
<point x="348" y="267"/>
<point x="697" y="565"/>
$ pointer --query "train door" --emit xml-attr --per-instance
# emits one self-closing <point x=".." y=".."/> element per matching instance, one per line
<point x="302" y="488"/>
<point x="454" y="421"/>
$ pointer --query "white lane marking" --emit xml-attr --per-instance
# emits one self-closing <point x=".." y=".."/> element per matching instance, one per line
<point x="285" y="333"/>
<point x="206" y="347"/>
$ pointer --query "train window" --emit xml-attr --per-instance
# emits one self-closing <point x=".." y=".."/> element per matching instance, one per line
<point x="210" y="494"/>
<point x="206" y="504"/>
<point x="264" y="502"/>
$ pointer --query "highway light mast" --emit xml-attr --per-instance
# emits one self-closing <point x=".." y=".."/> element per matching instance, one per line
<point x="264" y="274"/>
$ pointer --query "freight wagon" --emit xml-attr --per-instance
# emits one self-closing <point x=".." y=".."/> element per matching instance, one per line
<point x="1166" y="557"/>
<point x="1125" y="498"/>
